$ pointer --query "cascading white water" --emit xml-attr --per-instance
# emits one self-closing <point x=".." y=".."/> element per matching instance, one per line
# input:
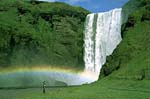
<point x="102" y="35"/>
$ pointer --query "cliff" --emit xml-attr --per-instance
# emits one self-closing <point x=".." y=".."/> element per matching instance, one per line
<point x="41" y="33"/>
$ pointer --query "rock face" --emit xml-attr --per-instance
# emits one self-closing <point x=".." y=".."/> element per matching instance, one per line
<point x="40" y="33"/>
<point x="102" y="35"/>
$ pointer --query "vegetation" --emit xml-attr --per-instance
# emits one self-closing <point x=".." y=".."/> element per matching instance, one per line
<point x="126" y="74"/>
<point x="104" y="89"/>
<point x="41" y="33"/>
<point x="131" y="59"/>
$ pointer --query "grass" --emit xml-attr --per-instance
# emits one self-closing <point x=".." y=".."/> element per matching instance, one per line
<point x="103" y="89"/>
<point x="134" y="52"/>
<point x="131" y="60"/>
<point x="126" y="70"/>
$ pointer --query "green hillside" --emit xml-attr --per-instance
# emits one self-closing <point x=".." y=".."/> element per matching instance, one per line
<point x="131" y="60"/>
<point x="41" y="33"/>
<point x="126" y="74"/>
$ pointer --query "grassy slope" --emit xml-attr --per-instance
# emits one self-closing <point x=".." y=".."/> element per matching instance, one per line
<point x="104" y="89"/>
<point x="130" y="80"/>
<point x="132" y="57"/>
<point x="41" y="33"/>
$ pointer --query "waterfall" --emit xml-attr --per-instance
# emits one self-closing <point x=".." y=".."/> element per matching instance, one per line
<point x="101" y="36"/>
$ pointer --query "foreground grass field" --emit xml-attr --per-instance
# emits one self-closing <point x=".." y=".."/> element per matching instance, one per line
<point x="103" y="89"/>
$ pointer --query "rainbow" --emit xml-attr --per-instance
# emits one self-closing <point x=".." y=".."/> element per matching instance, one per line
<point x="43" y="68"/>
<point x="35" y="75"/>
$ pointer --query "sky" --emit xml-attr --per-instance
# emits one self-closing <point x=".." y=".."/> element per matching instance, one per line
<point x="94" y="5"/>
